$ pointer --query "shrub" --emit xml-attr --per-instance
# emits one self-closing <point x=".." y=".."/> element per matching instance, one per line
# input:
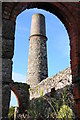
<point x="65" y="112"/>
<point x="11" y="113"/>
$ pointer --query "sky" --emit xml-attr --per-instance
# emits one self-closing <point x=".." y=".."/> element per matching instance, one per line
<point x="58" y="48"/>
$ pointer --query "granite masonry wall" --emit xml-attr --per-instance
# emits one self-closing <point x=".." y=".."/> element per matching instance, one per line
<point x="68" y="13"/>
<point x="7" y="54"/>
<point x="21" y="91"/>
<point x="55" y="82"/>
<point x="47" y="94"/>
<point x="0" y="60"/>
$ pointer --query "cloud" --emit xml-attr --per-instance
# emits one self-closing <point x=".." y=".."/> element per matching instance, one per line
<point x="22" y="28"/>
<point x="17" y="77"/>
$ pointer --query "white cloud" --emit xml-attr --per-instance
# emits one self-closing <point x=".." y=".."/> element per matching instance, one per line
<point x="22" y="28"/>
<point x="17" y="77"/>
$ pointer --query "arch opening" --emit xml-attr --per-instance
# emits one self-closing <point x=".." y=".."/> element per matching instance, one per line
<point x="68" y="21"/>
<point x="14" y="104"/>
<point x="14" y="100"/>
<point x="58" y="48"/>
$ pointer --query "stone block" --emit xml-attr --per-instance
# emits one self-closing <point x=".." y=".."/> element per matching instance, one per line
<point x="21" y="91"/>
<point x="0" y="88"/>
<point x="5" y="118"/>
<point x="8" y="29"/>
<point x="0" y="18"/>
<point x="6" y="70"/>
<point x="0" y="46"/>
<point x="0" y="70"/>
<point x="76" y="91"/>
<point x="6" y="92"/>
<point x="7" y="48"/>
<point x="0" y="100"/>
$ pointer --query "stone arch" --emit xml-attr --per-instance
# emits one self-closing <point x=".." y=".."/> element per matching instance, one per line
<point x="16" y="93"/>
<point x="61" y="10"/>
<point x="68" y="13"/>
<point x="22" y="94"/>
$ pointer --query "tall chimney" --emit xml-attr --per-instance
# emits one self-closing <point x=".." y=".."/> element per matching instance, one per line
<point x="37" y="60"/>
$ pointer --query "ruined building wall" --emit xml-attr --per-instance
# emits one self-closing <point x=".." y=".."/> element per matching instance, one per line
<point x="7" y="54"/>
<point x="68" y="13"/>
<point x="21" y="91"/>
<point x="55" y="82"/>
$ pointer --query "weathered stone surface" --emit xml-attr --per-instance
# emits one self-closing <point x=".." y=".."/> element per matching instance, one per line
<point x="7" y="48"/>
<point x="6" y="70"/>
<point x="0" y="29"/>
<point x="0" y="99"/>
<point x="5" y="99"/>
<point x="8" y="28"/>
<point x="37" y="61"/>
<point x="49" y="93"/>
<point x="58" y="81"/>
<point x="0" y="18"/>
<point x="0" y="46"/>
<point x="45" y="107"/>
<point x="5" y="118"/>
<point x="70" y="10"/>
<point x="1" y="70"/>
<point x="0" y="87"/>
<point x="38" y="25"/>
<point x="21" y="90"/>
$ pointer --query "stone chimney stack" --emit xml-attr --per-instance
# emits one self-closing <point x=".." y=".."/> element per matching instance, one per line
<point x="37" y="60"/>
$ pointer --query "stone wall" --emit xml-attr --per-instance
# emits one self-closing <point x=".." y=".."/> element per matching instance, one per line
<point x="0" y="60"/>
<point x="69" y="14"/>
<point x="57" y="81"/>
<point x="7" y="54"/>
<point x="43" y="108"/>
<point x="21" y="91"/>
<point x="49" y="96"/>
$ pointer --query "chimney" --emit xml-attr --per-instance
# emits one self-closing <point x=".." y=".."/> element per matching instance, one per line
<point x="37" y="60"/>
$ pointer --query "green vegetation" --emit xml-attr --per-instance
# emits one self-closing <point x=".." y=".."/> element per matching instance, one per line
<point x="36" y="89"/>
<point x="11" y="113"/>
<point x="41" y="94"/>
<point x="61" y="108"/>
<point x="29" y="89"/>
<point x="65" y="112"/>
<point x="51" y="108"/>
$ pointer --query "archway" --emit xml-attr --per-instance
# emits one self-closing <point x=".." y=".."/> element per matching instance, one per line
<point x="55" y="43"/>
<point x="13" y="108"/>
<point x="70" y="20"/>
<point x="16" y="94"/>
<point x="13" y="98"/>
<point x="61" y="10"/>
